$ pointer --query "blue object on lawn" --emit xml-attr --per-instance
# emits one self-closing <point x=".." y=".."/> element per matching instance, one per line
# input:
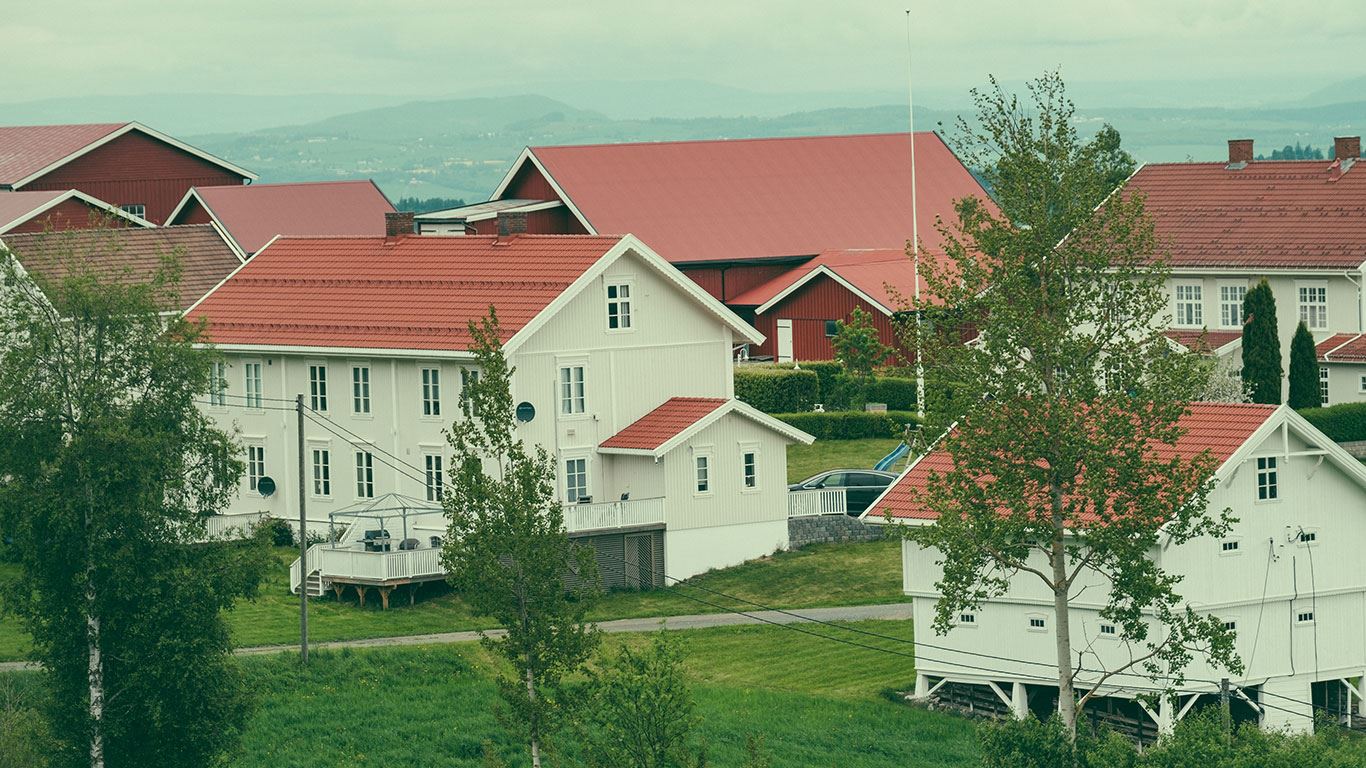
<point x="885" y="464"/>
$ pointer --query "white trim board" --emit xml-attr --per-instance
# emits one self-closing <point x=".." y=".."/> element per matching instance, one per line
<point x="729" y="407"/>
<point x="83" y="197"/>
<point x="528" y="154"/>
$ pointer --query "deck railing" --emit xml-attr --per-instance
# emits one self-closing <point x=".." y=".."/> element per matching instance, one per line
<point x="377" y="567"/>
<point x="818" y="501"/>
<point x="217" y="527"/>
<point x="613" y="514"/>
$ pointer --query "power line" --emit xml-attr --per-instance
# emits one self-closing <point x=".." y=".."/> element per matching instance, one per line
<point x="399" y="467"/>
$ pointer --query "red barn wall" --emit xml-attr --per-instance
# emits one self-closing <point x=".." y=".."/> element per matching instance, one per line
<point x="193" y="213"/>
<point x="808" y="308"/>
<point x="136" y="168"/>
<point x="556" y="221"/>
<point x="70" y="214"/>
<point x="736" y="278"/>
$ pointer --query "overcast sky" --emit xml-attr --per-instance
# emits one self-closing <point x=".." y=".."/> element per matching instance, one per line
<point x="417" y="47"/>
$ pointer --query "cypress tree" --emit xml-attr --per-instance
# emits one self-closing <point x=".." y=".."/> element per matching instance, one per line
<point x="1304" y="370"/>
<point x="1261" y="346"/>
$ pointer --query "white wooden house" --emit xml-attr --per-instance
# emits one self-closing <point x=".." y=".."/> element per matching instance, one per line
<point x="623" y="372"/>
<point x="1284" y="579"/>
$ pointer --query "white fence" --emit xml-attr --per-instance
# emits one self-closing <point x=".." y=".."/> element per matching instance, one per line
<point x="819" y="501"/>
<point x="377" y="567"/>
<point x="613" y="514"/>
<point x="231" y="526"/>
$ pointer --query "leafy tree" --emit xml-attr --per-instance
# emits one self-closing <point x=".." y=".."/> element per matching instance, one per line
<point x="1304" y="370"/>
<point x="1113" y="163"/>
<point x="1261" y="345"/>
<point x="639" y="710"/>
<point x="507" y="550"/>
<point x="107" y="471"/>
<point x="1223" y="384"/>
<point x="859" y="350"/>
<point x="1061" y="400"/>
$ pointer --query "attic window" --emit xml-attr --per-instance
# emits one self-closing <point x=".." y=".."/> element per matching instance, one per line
<point x="1231" y="626"/>
<point x="1266" y="478"/>
<point x="135" y="209"/>
<point x="1229" y="547"/>
<point x="1304" y="616"/>
<point x="967" y="619"/>
<point x="1107" y="629"/>
<point x="619" y="306"/>
<point x="1037" y="623"/>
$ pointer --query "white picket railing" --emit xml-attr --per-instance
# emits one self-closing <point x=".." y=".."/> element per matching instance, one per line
<point x="219" y="527"/>
<point x="613" y="514"/>
<point x="359" y="565"/>
<point x="818" y="501"/>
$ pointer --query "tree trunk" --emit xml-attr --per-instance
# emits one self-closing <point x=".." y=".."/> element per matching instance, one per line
<point x="1067" y="695"/>
<point x="535" y="721"/>
<point x="95" y="672"/>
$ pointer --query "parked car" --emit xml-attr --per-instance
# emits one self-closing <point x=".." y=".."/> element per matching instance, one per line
<point x="861" y="486"/>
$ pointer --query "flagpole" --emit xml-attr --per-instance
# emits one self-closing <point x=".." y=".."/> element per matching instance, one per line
<point x="915" y="232"/>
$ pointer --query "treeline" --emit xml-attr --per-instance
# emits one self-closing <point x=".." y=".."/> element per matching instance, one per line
<point x="1297" y="152"/>
<point x="426" y="204"/>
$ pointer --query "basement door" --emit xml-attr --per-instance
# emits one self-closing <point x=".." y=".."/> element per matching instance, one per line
<point x="784" y="341"/>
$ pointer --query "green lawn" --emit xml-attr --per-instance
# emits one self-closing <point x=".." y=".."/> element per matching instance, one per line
<point x="821" y="575"/>
<point x="803" y="461"/>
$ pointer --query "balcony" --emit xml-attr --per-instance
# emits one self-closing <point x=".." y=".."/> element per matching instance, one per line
<point x="581" y="518"/>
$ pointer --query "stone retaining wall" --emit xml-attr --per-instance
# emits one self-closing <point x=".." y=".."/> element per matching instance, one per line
<point x="1355" y="447"/>
<point x="819" y="529"/>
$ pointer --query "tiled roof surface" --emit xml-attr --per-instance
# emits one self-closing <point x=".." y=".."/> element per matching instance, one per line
<point x="752" y="198"/>
<point x="1343" y="348"/>
<point x="406" y="293"/>
<point x="1201" y="340"/>
<point x="27" y="149"/>
<point x="1281" y="213"/>
<point x="205" y="258"/>
<point x="21" y="204"/>
<point x="664" y="423"/>
<point x="878" y="272"/>
<point x="1220" y="428"/>
<point x="255" y="213"/>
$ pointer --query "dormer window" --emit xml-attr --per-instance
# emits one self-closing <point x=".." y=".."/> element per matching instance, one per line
<point x="619" y="306"/>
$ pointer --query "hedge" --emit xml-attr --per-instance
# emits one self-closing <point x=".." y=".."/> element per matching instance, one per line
<point x="849" y="425"/>
<point x="835" y="390"/>
<point x="1343" y="423"/>
<point x="776" y="390"/>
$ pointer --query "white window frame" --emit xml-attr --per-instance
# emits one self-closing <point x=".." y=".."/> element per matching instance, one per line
<point x="1308" y="537"/>
<point x="1196" y="305"/>
<point x="364" y="462"/>
<point x="218" y="384"/>
<point x="1235" y="541"/>
<point x="320" y="469"/>
<point x="1323" y="385"/>
<point x="361" y="390"/>
<point x="1269" y="478"/>
<point x="1225" y="304"/>
<point x="253" y="396"/>
<point x="613" y="305"/>
<point x="748" y="468"/>
<point x="429" y="390"/>
<point x="317" y="385"/>
<point x="1361" y="383"/>
<point x="1031" y="618"/>
<point x="1229" y="624"/>
<point x="1302" y="610"/>
<point x="572" y="395"/>
<point x="256" y="460"/>
<point x="585" y="489"/>
<point x="966" y="619"/>
<point x="1313" y="320"/>
<point x="1113" y="634"/>
<point x="703" y="471"/>
<point x="134" y="209"/>
<point x="433" y="472"/>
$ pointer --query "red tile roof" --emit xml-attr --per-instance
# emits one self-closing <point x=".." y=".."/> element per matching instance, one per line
<point x="1269" y="214"/>
<point x="1220" y="428"/>
<point x="253" y="214"/>
<point x="664" y="423"/>
<point x="205" y="257"/>
<point x="18" y="207"/>
<point x="1343" y="348"/>
<point x="1201" y="340"/>
<point x="879" y="273"/>
<point x="407" y="293"/>
<point x="25" y="150"/>
<point x="753" y="198"/>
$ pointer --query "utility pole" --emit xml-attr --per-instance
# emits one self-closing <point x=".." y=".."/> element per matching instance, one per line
<point x="303" y="536"/>
<point x="1224" y="710"/>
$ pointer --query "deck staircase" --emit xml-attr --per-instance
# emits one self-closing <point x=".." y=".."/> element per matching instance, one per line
<point x="314" y="584"/>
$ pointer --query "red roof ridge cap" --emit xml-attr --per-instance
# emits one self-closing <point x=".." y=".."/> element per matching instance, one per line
<point x="730" y="141"/>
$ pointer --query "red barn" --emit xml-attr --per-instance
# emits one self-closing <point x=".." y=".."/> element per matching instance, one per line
<point x="133" y="167"/>
<point x="735" y="215"/>
<point x="58" y="210"/>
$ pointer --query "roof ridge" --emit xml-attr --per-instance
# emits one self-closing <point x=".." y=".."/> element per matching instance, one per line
<point x="730" y="141"/>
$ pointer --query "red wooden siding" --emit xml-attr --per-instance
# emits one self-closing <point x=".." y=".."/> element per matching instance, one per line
<point x="529" y="184"/>
<point x="737" y="279"/>
<point x="556" y="221"/>
<point x="135" y="168"/>
<point x="808" y="308"/>
<point x="69" y="214"/>
<point x="193" y="213"/>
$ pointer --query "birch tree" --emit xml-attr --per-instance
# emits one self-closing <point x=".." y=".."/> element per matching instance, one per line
<point x="107" y="471"/>
<point x="507" y="550"/>
<point x="1061" y="408"/>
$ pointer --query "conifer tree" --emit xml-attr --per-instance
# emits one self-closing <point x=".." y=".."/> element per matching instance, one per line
<point x="1304" y="370"/>
<point x="1261" y="346"/>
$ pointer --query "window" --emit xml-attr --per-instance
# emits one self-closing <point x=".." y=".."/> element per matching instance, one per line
<point x="1231" y="626"/>
<point x="1361" y="385"/>
<point x="1231" y="305"/>
<point x="431" y="392"/>
<point x="218" y="383"/>
<point x="360" y="389"/>
<point x="1190" y="309"/>
<point x="1304" y="616"/>
<point x="1037" y="623"/>
<point x="1314" y="306"/>
<point x="967" y="619"/>
<point x="1323" y="385"/>
<point x="1307" y="536"/>
<point x="1229" y="546"/>
<point x="1266" y="478"/>
<point x="322" y="472"/>
<point x="576" y="480"/>
<point x="619" y="306"/>
<point x="256" y="465"/>
<point x="702" y="474"/>
<point x="136" y="209"/>
<point x="317" y="387"/>
<point x="749" y="463"/>
<point x="436" y="479"/>
<point x="365" y="475"/>
<point x="1107" y="630"/>
<point x="832" y="327"/>
<point x="251" y="375"/>
<point x="468" y="378"/>
<point x="571" y="390"/>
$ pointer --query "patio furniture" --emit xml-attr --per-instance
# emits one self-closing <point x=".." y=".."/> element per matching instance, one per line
<point x="407" y="544"/>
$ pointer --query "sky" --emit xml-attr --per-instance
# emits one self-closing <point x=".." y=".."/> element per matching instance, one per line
<point x="1217" y="52"/>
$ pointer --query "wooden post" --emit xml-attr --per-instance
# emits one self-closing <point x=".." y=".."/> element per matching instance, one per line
<point x="303" y="535"/>
<point x="1225" y="713"/>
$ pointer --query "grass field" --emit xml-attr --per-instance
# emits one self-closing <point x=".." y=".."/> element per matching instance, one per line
<point x="821" y="575"/>
<point x="803" y="461"/>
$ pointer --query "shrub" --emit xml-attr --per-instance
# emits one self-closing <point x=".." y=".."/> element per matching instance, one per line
<point x="777" y="390"/>
<point x="898" y="393"/>
<point x="849" y="425"/>
<point x="277" y="532"/>
<point x="1343" y="423"/>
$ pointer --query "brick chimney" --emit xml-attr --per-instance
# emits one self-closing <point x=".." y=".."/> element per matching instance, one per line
<point x="1347" y="147"/>
<point x="1239" y="152"/>
<point x="398" y="224"/>
<point x="511" y="223"/>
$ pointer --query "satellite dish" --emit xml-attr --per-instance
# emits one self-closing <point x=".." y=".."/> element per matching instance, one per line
<point x="525" y="412"/>
<point x="265" y="486"/>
